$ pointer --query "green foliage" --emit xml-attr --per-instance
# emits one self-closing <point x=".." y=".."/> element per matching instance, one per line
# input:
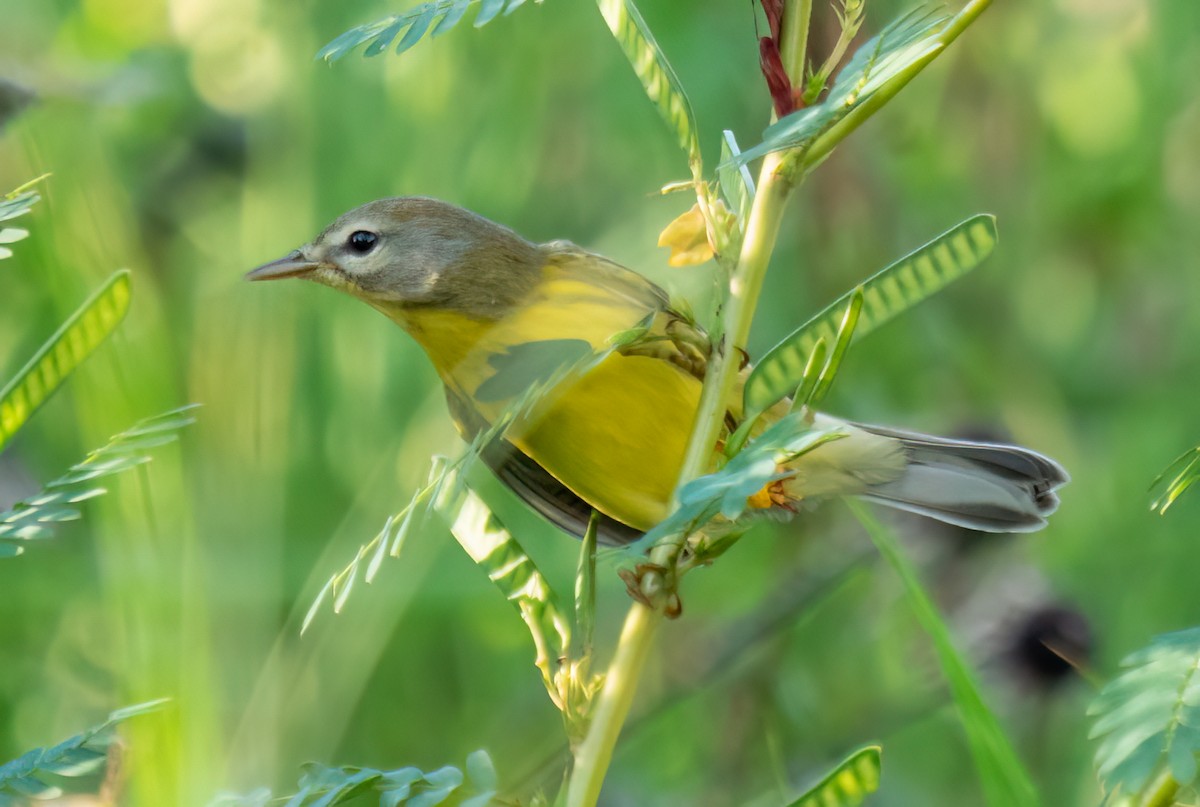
<point x="16" y="203"/>
<point x="888" y="293"/>
<point x="850" y="19"/>
<point x="1174" y="480"/>
<point x="847" y="785"/>
<point x="433" y="18"/>
<point x="1005" y="780"/>
<point x="33" y="518"/>
<point x="737" y="186"/>
<point x="73" y="342"/>
<point x="507" y="565"/>
<point x="907" y="43"/>
<point x="40" y="773"/>
<point x="658" y="78"/>
<point x="322" y="786"/>
<point x="1149" y="716"/>
<point x="724" y="492"/>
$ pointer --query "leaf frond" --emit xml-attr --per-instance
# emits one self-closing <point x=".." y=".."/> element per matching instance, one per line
<point x="1148" y="718"/>
<point x="904" y="45"/>
<point x="432" y="18"/>
<point x="38" y="774"/>
<point x="886" y="294"/>
<point x="34" y="518"/>
<point x="16" y="203"/>
<point x="65" y="350"/>
<point x="658" y="78"/>
<point x="848" y="784"/>
<point x="325" y="786"/>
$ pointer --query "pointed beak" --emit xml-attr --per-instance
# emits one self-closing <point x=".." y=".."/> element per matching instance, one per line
<point x="293" y="265"/>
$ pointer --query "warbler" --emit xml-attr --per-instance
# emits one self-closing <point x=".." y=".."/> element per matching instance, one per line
<point x="496" y="313"/>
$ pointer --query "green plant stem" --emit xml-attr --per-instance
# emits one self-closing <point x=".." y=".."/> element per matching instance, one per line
<point x="620" y="683"/>
<point x="796" y="19"/>
<point x="612" y="707"/>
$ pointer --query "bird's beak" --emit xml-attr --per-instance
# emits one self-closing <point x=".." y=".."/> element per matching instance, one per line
<point x="292" y="265"/>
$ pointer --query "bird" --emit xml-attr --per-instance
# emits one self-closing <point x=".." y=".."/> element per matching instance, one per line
<point x="498" y="315"/>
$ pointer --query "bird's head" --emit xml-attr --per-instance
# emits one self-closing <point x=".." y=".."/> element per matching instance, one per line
<point x="416" y="252"/>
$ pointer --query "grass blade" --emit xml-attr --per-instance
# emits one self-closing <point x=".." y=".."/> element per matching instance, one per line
<point x="886" y="294"/>
<point x="73" y="342"/>
<point x="1005" y="780"/>
<point x="1182" y="473"/>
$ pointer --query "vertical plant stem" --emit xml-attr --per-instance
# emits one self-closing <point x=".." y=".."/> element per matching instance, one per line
<point x="762" y="227"/>
<point x="796" y="20"/>
<point x="612" y="707"/>
<point x="776" y="180"/>
<point x="620" y="683"/>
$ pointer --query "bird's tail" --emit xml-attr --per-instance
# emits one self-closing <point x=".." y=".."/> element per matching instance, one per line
<point x="980" y="486"/>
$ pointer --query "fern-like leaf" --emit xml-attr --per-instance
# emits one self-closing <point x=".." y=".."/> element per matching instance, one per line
<point x="73" y="342"/>
<point x="847" y="785"/>
<point x="39" y="774"/>
<point x="494" y="550"/>
<point x="323" y="786"/>
<point x="886" y="294"/>
<point x="1174" y="480"/>
<point x="901" y="44"/>
<point x="16" y="203"/>
<point x="34" y="518"/>
<point x="657" y="76"/>
<point x="1148" y="718"/>
<point x="433" y="18"/>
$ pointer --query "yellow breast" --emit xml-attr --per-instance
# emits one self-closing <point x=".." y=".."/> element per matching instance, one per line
<point x="615" y="435"/>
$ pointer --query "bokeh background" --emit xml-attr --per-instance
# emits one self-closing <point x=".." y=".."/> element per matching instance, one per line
<point x="190" y="140"/>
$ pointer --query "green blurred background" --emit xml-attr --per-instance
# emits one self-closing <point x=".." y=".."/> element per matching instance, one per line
<point x="190" y="140"/>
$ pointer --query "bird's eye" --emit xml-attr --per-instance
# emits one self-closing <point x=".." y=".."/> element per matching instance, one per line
<point x="362" y="241"/>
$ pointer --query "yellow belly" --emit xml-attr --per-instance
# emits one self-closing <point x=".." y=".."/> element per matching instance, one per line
<point x="617" y="436"/>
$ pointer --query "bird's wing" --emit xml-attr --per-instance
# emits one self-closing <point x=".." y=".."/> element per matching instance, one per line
<point x="534" y="485"/>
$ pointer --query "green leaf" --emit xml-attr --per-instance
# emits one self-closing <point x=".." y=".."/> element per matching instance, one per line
<point x="847" y="785"/>
<point x="26" y="521"/>
<point x="511" y="569"/>
<point x="1148" y="718"/>
<point x="906" y="40"/>
<point x="1005" y="780"/>
<point x="13" y="204"/>
<point x="658" y="78"/>
<point x="724" y="492"/>
<point x="435" y="18"/>
<point x="324" y="786"/>
<point x="887" y="294"/>
<point x="73" y="342"/>
<point x="737" y="186"/>
<point x="1182" y="474"/>
<point x="37" y="773"/>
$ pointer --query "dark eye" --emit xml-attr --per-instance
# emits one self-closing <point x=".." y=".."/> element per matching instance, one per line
<point x="362" y="241"/>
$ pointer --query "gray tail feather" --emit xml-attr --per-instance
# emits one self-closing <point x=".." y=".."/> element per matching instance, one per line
<point x="980" y="486"/>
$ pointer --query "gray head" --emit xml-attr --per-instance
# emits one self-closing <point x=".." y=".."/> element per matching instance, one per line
<point x="414" y="251"/>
